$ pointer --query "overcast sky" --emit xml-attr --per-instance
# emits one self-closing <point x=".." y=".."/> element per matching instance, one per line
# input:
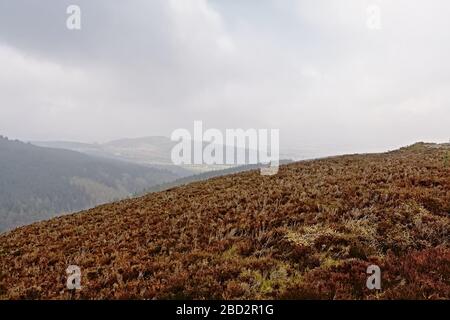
<point x="313" y="69"/>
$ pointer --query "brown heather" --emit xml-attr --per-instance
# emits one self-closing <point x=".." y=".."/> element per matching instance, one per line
<point x="308" y="232"/>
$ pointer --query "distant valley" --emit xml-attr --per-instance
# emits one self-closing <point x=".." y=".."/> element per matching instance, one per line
<point x="42" y="180"/>
<point x="154" y="151"/>
<point x="38" y="183"/>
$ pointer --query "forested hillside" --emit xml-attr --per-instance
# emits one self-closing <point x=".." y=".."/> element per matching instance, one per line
<point x="39" y="183"/>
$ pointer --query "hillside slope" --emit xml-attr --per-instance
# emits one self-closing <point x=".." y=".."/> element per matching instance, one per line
<point x="39" y="183"/>
<point x="308" y="232"/>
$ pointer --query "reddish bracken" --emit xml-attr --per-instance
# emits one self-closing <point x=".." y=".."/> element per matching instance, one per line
<point x="308" y="232"/>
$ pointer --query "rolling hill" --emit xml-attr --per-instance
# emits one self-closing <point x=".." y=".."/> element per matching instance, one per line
<point x="39" y="183"/>
<point x="150" y="151"/>
<point x="154" y="151"/>
<point x="308" y="232"/>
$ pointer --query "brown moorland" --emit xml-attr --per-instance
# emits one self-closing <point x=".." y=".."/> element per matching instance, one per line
<point x="308" y="232"/>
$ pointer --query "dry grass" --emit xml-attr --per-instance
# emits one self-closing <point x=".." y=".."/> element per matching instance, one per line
<point x="308" y="232"/>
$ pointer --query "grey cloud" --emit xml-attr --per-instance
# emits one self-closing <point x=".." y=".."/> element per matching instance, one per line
<point x="312" y="69"/>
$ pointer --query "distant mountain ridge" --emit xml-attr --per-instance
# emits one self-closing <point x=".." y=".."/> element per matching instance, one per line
<point x="153" y="151"/>
<point x="146" y="150"/>
<point x="38" y="183"/>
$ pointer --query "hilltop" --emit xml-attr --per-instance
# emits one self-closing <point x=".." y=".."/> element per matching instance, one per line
<point x="308" y="232"/>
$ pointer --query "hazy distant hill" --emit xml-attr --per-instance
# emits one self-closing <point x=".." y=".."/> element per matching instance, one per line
<point x="153" y="151"/>
<point x="146" y="150"/>
<point x="308" y="232"/>
<point x="38" y="183"/>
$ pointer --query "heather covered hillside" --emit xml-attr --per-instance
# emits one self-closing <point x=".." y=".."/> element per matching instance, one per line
<point x="308" y="232"/>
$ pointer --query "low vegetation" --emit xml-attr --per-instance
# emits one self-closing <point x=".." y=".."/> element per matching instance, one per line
<point x="308" y="232"/>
